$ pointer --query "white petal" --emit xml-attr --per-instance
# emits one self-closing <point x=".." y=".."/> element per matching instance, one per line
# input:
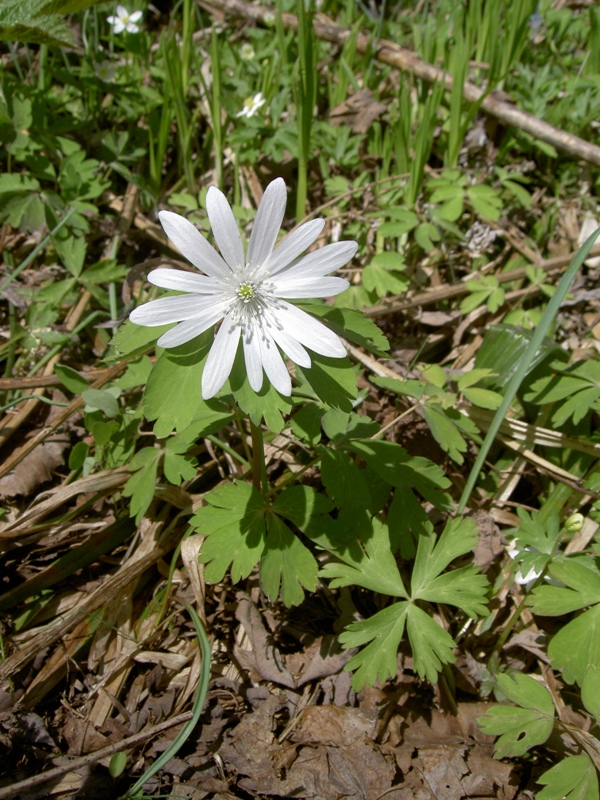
<point x="274" y="365"/>
<point x="253" y="360"/>
<point x="323" y="261"/>
<point x="308" y="331"/>
<point x="293" y="245"/>
<point x="311" y="287"/>
<point x="267" y="222"/>
<point x="290" y="346"/>
<point x="225" y="228"/>
<point x="220" y="359"/>
<point x="193" y="245"/>
<point x="184" y="281"/>
<point x="188" y="330"/>
<point x="135" y="16"/>
<point x="172" y="309"/>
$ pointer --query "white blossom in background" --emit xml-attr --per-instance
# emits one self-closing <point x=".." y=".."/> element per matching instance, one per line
<point x="531" y="577"/>
<point x="125" y="21"/>
<point x="105" y="70"/>
<point x="248" y="292"/>
<point x="247" y="52"/>
<point x="251" y="105"/>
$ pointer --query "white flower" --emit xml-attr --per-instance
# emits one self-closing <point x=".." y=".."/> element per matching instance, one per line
<point x="105" y="70"/>
<point x="251" y="105"/>
<point x="124" y="21"/>
<point x="524" y="580"/>
<point x="247" y="52"/>
<point x="247" y="291"/>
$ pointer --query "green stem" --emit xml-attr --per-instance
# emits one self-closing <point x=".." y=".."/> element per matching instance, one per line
<point x="259" y="468"/>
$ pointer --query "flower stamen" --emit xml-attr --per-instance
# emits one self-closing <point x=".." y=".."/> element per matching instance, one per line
<point x="246" y="291"/>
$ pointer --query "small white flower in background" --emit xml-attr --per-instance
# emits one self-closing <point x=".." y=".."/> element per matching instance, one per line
<point x="533" y="574"/>
<point x="125" y="21"/>
<point x="247" y="52"/>
<point x="521" y="579"/>
<point x="247" y="291"/>
<point x="105" y="70"/>
<point x="251" y="105"/>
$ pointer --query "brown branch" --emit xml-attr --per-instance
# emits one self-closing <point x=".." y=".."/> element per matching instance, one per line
<point x="8" y="792"/>
<point x="390" y="53"/>
<point x="395" y="304"/>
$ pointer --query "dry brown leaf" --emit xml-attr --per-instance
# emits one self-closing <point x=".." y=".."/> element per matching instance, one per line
<point x="359" y="111"/>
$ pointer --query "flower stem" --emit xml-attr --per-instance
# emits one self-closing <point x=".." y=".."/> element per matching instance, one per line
<point x="259" y="468"/>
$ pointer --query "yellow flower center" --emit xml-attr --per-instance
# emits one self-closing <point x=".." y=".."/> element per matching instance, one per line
<point x="246" y="292"/>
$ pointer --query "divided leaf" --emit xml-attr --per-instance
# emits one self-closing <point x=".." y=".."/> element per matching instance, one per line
<point x="524" y="725"/>
<point x="379" y="659"/>
<point x="371" y="565"/>
<point x="173" y="396"/>
<point x="140" y="487"/>
<point x="574" y="778"/>
<point x="286" y="562"/>
<point x="395" y="466"/>
<point x="234" y="524"/>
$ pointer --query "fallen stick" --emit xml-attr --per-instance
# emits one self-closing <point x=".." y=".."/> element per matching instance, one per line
<point x="9" y="792"/>
<point x="396" y="56"/>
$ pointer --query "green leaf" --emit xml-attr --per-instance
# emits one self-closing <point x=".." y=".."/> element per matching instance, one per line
<point x="525" y="725"/>
<point x="502" y="351"/>
<point x="301" y="505"/>
<point x="18" y="182"/>
<point x="431" y="645"/>
<point x="117" y="764"/>
<point x="445" y="432"/>
<point x="574" y="778"/>
<point x="370" y="565"/>
<point x="235" y="527"/>
<point x="567" y="652"/>
<point x="578" y="406"/>
<point x="101" y="400"/>
<point x="136" y="374"/>
<point x="465" y="587"/>
<point x="472" y="377"/>
<point x="483" y="398"/>
<point x="333" y="380"/>
<point x="23" y="211"/>
<point x="78" y="455"/>
<point x="267" y="404"/>
<point x="426" y="235"/>
<point x="485" y="201"/>
<point x="404" y="221"/>
<point x="286" y="562"/>
<point x="140" y="487"/>
<point x="378" y="278"/>
<point x="352" y="325"/>
<point x="404" y="388"/>
<point x="306" y="424"/>
<point x="407" y="521"/>
<point x="345" y="484"/>
<point x="178" y="466"/>
<point x="71" y="379"/>
<point x="590" y="690"/>
<point x="394" y="465"/>
<point x="341" y="426"/>
<point x="379" y="660"/>
<point x="173" y="392"/>
<point x="71" y="250"/>
<point x="582" y="583"/>
<point x="22" y="22"/>
<point x="132" y="339"/>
